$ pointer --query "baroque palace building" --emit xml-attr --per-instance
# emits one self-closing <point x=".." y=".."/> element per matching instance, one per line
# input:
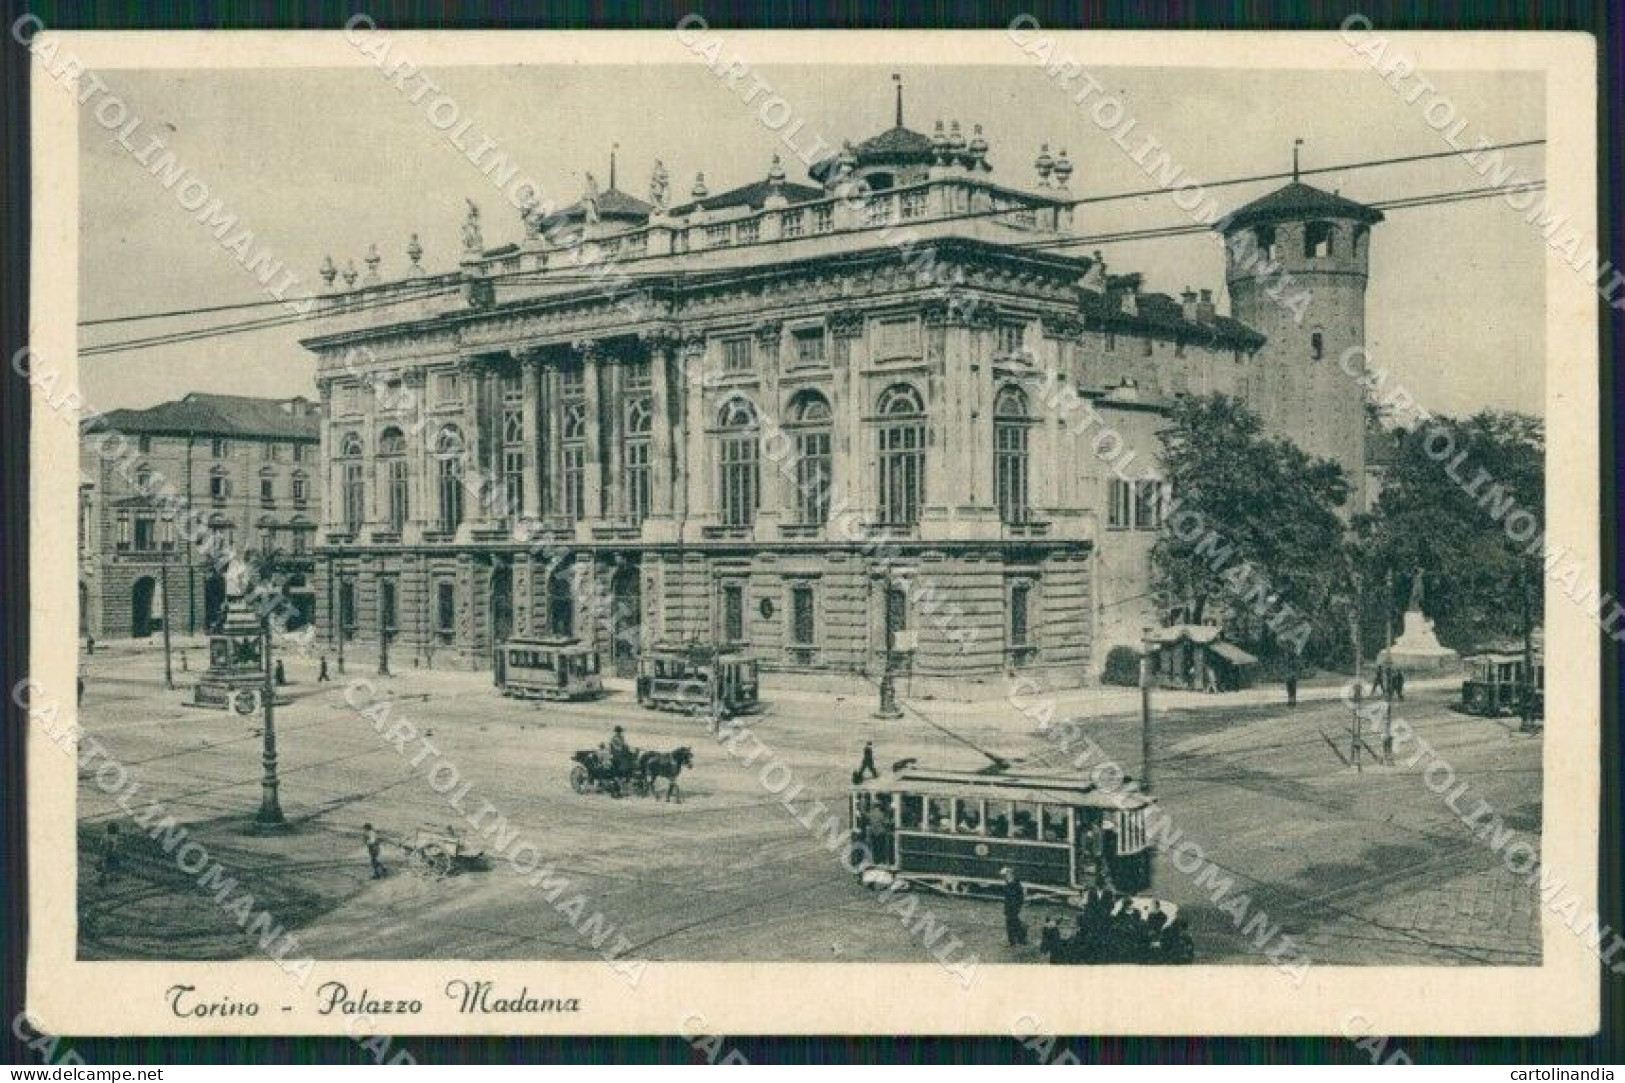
<point x="889" y="407"/>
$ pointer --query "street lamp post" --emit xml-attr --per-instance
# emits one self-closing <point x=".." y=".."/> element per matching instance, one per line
<point x="163" y="587"/>
<point x="1146" y="648"/>
<point x="270" y="812"/>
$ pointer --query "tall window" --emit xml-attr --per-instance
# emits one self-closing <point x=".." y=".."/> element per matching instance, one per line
<point x="733" y="612"/>
<point x="815" y="475"/>
<point x="449" y="476"/>
<point x="267" y="487"/>
<point x="561" y="601"/>
<point x="301" y="491"/>
<point x="1020" y="605"/>
<point x="352" y="486"/>
<point x="575" y="459"/>
<point x="445" y="611"/>
<point x="145" y="532"/>
<point x="513" y="445"/>
<point x="219" y="447"/>
<point x="803" y="623"/>
<point x="1011" y="338"/>
<point x="737" y="444"/>
<point x="219" y="485"/>
<point x="1010" y="425"/>
<point x="392" y="460"/>
<point x="386" y="606"/>
<point x="639" y="418"/>
<point x="347" y="608"/>
<point x="902" y="455"/>
<point x="1120" y="505"/>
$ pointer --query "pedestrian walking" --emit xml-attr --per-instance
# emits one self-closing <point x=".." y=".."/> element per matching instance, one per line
<point x="867" y="767"/>
<point x="1291" y="688"/>
<point x="321" y="673"/>
<point x="90" y="643"/>
<point x="110" y="855"/>
<point x="281" y="674"/>
<point x="1399" y="685"/>
<point x="81" y="698"/>
<point x="1015" y="897"/>
<point x="374" y="846"/>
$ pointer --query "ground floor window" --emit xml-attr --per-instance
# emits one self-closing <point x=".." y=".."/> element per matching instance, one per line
<point x="733" y="613"/>
<point x="445" y="622"/>
<point x="347" y="608"/>
<point x="386" y="605"/>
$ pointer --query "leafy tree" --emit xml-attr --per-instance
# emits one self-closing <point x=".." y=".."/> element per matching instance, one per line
<point x="1253" y="528"/>
<point x="1457" y="503"/>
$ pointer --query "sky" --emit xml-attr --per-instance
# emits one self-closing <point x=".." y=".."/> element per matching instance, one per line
<point x="325" y="162"/>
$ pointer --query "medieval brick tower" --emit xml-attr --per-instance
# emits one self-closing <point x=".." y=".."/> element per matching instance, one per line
<point x="1296" y="264"/>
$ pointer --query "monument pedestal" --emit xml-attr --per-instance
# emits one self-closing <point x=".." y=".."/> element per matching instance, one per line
<point x="1418" y="650"/>
<point x="235" y="679"/>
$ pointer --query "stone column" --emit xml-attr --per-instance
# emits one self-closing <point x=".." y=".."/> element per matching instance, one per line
<point x="771" y="454"/>
<point x="614" y="422"/>
<point x="419" y="462"/>
<point x="552" y="428"/>
<point x="592" y="476"/>
<point x="661" y="346"/>
<point x="531" y="508"/>
<point x="849" y="456"/>
<point x="473" y="380"/>
<point x="699" y="360"/>
<point x="373" y="493"/>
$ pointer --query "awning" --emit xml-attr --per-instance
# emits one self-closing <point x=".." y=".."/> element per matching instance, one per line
<point x="1234" y="654"/>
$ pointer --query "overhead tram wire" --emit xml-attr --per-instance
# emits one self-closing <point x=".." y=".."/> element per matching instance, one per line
<point x="1149" y="233"/>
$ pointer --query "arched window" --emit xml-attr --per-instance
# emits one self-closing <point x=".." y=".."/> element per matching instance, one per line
<point x="352" y="485"/>
<point x="392" y="461"/>
<point x="574" y="446"/>
<point x="1010" y="423"/>
<point x="809" y="422"/>
<point x="736" y="454"/>
<point x="902" y="455"/>
<point x="639" y="422"/>
<point x="448" y="449"/>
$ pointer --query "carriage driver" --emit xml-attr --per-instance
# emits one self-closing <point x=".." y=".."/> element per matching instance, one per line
<point x="620" y="754"/>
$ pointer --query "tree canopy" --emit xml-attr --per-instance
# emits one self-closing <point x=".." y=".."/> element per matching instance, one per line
<point x="1459" y="501"/>
<point x="1253" y="528"/>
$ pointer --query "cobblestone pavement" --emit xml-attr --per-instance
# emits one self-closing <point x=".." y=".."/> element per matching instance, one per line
<point x="1358" y="868"/>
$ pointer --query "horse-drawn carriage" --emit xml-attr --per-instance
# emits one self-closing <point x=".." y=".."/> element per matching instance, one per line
<point x="597" y="770"/>
<point x="553" y="667"/>
<point x="698" y="678"/>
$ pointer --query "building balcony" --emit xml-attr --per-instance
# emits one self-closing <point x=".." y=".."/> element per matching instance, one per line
<point x="618" y="530"/>
<point x="802" y="531"/>
<point x="727" y="532"/>
<point x="1025" y="526"/>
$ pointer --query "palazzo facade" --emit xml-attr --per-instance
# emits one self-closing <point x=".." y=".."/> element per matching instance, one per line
<point x="817" y="420"/>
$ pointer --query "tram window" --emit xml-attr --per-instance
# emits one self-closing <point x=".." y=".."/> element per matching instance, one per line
<point x="1024" y="822"/>
<point x="884" y="805"/>
<point x="1054" y="818"/>
<point x="911" y="812"/>
<point x="970" y="816"/>
<point x="939" y="814"/>
<point x="998" y="819"/>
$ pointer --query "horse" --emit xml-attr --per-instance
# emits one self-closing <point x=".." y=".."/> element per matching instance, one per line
<point x="666" y="765"/>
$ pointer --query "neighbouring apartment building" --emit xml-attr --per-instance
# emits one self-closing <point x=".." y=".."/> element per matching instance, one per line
<point x="248" y="466"/>
<point x="817" y="419"/>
